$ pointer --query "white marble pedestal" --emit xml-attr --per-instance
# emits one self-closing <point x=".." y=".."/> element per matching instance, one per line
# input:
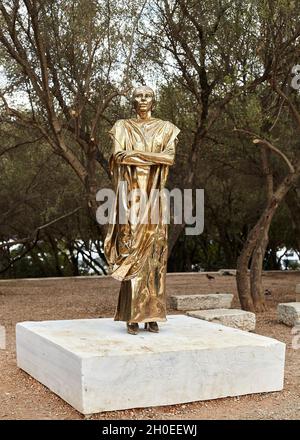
<point x="95" y="366"/>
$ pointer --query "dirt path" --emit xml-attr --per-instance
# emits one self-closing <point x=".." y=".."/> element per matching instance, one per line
<point x="22" y="397"/>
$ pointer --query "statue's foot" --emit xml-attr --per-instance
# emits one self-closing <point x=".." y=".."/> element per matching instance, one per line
<point x="152" y="327"/>
<point x="132" y="328"/>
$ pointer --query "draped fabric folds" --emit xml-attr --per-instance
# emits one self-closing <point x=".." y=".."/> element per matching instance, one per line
<point x="136" y="250"/>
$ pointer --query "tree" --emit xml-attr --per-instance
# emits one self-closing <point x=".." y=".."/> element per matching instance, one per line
<point x="186" y="40"/>
<point x="67" y="59"/>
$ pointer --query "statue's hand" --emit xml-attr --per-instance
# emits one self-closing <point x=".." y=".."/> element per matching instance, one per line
<point x="120" y="155"/>
<point x="138" y="158"/>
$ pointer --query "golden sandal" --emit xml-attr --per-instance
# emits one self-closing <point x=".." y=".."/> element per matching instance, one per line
<point x="152" y="327"/>
<point x="132" y="328"/>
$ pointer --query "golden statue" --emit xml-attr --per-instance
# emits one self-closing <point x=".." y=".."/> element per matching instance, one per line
<point x="143" y="150"/>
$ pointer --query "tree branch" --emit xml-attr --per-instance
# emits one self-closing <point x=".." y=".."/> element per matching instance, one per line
<point x="268" y="144"/>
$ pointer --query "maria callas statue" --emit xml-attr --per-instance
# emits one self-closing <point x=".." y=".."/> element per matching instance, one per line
<point x="143" y="150"/>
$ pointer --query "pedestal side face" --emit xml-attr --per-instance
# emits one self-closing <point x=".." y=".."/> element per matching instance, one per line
<point x="96" y="366"/>
<point x="49" y="362"/>
<point x="180" y="377"/>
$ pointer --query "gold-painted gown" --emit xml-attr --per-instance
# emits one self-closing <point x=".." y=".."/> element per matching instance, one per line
<point x="137" y="253"/>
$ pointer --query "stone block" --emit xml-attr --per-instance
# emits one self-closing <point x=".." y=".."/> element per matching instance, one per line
<point x="289" y="313"/>
<point x="230" y="317"/>
<point x="201" y="302"/>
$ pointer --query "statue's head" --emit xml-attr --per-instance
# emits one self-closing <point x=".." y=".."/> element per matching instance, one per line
<point x="143" y="99"/>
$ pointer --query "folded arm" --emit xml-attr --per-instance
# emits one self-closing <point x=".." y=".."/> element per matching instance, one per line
<point x="143" y="158"/>
<point x="139" y="157"/>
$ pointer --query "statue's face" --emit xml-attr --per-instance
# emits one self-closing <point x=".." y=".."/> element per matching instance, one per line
<point x="143" y="99"/>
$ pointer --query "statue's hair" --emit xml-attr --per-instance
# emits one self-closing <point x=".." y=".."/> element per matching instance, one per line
<point x="147" y="88"/>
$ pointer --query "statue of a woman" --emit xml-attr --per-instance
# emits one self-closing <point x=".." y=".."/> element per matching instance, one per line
<point x="143" y="150"/>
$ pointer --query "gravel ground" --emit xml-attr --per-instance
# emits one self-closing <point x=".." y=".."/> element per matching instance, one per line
<point x="22" y="397"/>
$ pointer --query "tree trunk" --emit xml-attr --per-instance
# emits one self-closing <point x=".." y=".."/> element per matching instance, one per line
<point x="59" y="271"/>
<point x="5" y="259"/>
<point x="263" y="224"/>
<point x="174" y="234"/>
<point x="91" y="181"/>
<point x="73" y="260"/>
<point x="257" y="260"/>
<point x="257" y="293"/>
<point x="242" y="277"/>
